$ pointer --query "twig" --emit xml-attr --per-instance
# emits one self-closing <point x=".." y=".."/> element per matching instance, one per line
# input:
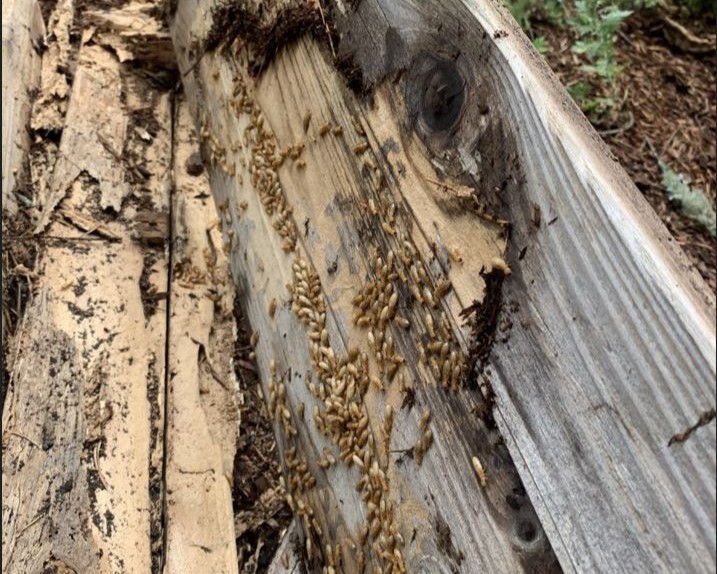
<point x="620" y="129"/>
<point x="328" y="32"/>
<point x="28" y="439"/>
<point x="29" y="524"/>
<point x="96" y="460"/>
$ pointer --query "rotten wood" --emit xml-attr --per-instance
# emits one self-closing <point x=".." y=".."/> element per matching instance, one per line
<point x="121" y="375"/>
<point x="88" y="364"/>
<point x="433" y="125"/>
<point x="202" y="419"/>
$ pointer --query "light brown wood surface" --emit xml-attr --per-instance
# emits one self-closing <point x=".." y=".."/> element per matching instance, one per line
<point x="22" y="38"/>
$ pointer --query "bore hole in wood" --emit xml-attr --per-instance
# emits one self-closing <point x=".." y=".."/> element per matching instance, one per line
<point x="443" y="96"/>
<point x="527" y="531"/>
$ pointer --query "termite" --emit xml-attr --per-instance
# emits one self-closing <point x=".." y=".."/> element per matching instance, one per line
<point x="536" y="215"/>
<point x="455" y="255"/>
<point x="480" y="471"/>
<point x="443" y="288"/>
<point x="425" y="419"/>
<point x="357" y="126"/>
<point x="360" y="147"/>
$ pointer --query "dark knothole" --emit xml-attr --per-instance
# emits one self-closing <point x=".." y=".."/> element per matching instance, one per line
<point x="443" y="96"/>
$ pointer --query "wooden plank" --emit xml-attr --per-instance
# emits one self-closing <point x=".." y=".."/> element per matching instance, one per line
<point x="333" y="189"/>
<point x="608" y="347"/>
<point x="287" y="560"/>
<point x="202" y="418"/>
<point x="22" y="36"/>
<point x="82" y="423"/>
<point x="92" y="139"/>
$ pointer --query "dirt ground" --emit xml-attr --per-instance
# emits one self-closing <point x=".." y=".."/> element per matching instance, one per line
<point x="666" y="98"/>
<point x="260" y="510"/>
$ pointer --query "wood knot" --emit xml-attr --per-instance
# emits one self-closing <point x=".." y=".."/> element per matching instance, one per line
<point x="443" y="96"/>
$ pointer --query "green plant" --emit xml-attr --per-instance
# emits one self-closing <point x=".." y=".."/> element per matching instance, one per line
<point x="541" y="45"/>
<point x="690" y="202"/>
<point x="596" y="24"/>
<point x="527" y="11"/>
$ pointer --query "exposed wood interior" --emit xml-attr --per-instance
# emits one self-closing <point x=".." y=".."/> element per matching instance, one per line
<point x="95" y="477"/>
<point x="202" y="422"/>
<point x="22" y="35"/>
<point x="89" y="363"/>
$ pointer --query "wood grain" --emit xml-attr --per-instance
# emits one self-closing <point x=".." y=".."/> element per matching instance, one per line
<point x="85" y="371"/>
<point x="102" y="470"/>
<point x="22" y="35"/>
<point x="202" y="419"/>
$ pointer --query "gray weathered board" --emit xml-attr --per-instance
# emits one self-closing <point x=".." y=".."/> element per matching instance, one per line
<point x="608" y="342"/>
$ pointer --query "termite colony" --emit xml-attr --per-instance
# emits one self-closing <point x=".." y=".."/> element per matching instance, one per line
<point x="341" y="382"/>
<point x="343" y="419"/>
<point x="398" y="268"/>
<point x="400" y="295"/>
<point x="265" y="159"/>
<point x="217" y="152"/>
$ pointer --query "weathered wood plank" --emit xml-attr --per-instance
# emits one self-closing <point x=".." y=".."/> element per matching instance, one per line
<point x="343" y="216"/>
<point x="92" y="139"/>
<point x="202" y="418"/>
<point x="604" y="320"/>
<point x="22" y="36"/>
<point x="83" y="417"/>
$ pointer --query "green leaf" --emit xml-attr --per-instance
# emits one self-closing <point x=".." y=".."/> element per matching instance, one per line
<point x="541" y="45"/>
<point x="692" y="202"/>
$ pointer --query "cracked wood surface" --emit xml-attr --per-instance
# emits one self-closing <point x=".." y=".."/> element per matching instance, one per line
<point x="611" y="342"/>
<point x="202" y="418"/>
<point x="87" y="364"/>
<point x="91" y="482"/>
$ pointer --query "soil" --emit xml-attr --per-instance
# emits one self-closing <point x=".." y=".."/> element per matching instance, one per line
<point x="665" y="99"/>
